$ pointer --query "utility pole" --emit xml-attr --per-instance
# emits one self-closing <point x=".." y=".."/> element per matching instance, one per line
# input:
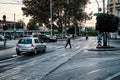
<point x="51" y="16"/>
<point x="97" y="5"/>
<point x="23" y="24"/>
<point x="14" y="26"/>
<point x="104" y="33"/>
<point x="103" y="6"/>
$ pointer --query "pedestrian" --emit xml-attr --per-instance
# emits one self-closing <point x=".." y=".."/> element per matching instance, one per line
<point x="68" y="41"/>
<point x="86" y="37"/>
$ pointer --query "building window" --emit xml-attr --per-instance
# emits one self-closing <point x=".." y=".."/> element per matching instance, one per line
<point x="118" y="1"/>
<point x="118" y="12"/>
<point x="110" y="1"/>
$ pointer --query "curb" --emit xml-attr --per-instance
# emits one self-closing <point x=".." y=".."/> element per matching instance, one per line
<point x="103" y="49"/>
<point x="113" y="76"/>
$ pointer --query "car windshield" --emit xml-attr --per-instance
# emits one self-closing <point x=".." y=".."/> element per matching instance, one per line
<point x="25" y="41"/>
<point x="35" y="35"/>
<point x="42" y="36"/>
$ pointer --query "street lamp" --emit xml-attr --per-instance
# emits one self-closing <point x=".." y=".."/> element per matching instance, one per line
<point x="14" y="26"/>
<point x="97" y="5"/>
<point x="51" y="16"/>
<point x="103" y="6"/>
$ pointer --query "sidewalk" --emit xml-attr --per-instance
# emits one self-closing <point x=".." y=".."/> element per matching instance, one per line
<point x="115" y="45"/>
<point x="8" y="51"/>
<point x="9" y="44"/>
<point x="2" y="47"/>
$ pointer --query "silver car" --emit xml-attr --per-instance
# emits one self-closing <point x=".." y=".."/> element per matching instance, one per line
<point x="30" y="44"/>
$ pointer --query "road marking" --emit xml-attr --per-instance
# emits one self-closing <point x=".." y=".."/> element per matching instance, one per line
<point x="113" y="76"/>
<point x="14" y="55"/>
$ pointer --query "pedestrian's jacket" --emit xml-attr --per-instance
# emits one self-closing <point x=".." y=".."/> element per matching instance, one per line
<point x="68" y="38"/>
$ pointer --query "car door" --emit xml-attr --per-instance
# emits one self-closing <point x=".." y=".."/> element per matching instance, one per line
<point x="38" y="44"/>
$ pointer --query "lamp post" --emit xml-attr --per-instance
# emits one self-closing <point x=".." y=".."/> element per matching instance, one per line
<point x="97" y="5"/>
<point x="51" y="16"/>
<point x="103" y="6"/>
<point x="14" y="26"/>
<point x="104" y="33"/>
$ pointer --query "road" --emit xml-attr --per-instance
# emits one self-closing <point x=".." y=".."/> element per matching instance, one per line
<point x="59" y="63"/>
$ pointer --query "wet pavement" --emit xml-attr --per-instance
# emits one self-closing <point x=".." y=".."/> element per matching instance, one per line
<point x="6" y="52"/>
<point x="83" y="66"/>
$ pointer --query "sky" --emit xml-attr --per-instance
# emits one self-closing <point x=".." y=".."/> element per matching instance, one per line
<point x="93" y="7"/>
<point x="11" y="7"/>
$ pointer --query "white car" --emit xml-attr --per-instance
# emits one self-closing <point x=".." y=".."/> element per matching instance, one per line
<point x="30" y="44"/>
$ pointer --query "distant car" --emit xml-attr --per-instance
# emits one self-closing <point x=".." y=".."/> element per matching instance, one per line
<point x="46" y="38"/>
<point x="1" y="37"/>
<point x="52" y="38"/>
<point x="60" y="36"/>
<point x="30" y="44"/>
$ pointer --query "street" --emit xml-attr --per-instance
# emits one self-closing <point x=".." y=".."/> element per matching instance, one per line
<point x="58" y="63"/>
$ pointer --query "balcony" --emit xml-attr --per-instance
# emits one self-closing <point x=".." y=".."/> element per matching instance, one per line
<point x="118" y="5"/>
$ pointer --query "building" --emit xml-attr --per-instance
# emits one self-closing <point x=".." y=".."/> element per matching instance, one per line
<point x="11" y="30"/>
<point x="18" y="31"/>
<point x="113" y="7"/>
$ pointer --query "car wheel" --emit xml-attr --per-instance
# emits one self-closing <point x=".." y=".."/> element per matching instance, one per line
<point x="35" y="51"/>
<point x="44" y="50"/>
<point x="18" y="53"/>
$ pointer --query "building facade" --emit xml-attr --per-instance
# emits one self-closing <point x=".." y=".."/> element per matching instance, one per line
<point x="113" y="7"/>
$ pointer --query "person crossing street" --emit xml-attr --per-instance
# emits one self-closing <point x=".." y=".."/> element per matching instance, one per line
<point x="68" y="42"/>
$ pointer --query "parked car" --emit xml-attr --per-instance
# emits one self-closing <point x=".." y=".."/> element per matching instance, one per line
<point x="52" y="38"/>
<point x="1" y="37"/>
<point x="46" y="38"/>
<point x="60" y="36"/>
<point x="30" y="44"/>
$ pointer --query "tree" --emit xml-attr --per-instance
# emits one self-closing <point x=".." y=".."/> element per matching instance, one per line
<point x="106" y="23"/>
<point x="71" y="30"/>
<point x="64" y="11"/>
<point x="19" y="24"/>
<point x="32" y="25"/>
<point x="39" y="10"/>
<point x="74" y="30"/>
<point x="54" y="27"/>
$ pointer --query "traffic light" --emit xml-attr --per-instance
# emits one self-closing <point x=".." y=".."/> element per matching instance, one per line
<point x="4" y="26"/>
